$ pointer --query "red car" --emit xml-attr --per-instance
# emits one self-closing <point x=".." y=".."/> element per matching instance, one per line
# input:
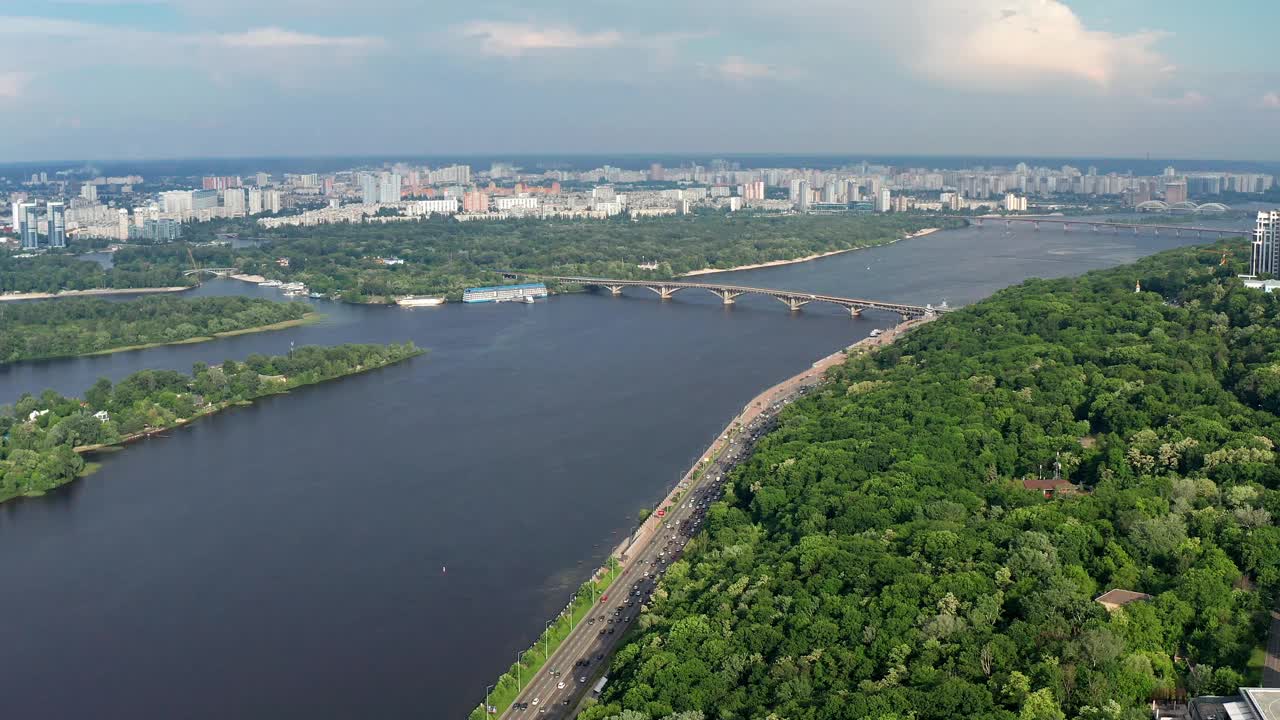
<point x="603" y="598"/>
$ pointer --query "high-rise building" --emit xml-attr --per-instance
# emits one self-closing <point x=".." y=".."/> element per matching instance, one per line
<point x="389" y="188"/>
<point x="800" y="190"/>
<point x="89" y="192"/>
<point x="57" y="222"/>
<point x="233" y="200"/>
<point x="176" y="201"/>
<point x="830" y="193"/>
<point x="656" y="173"/>
<point x="1175" y="192"/>
<point x="25" y="226"/>
<point x="368" y="189"/>
<point x="204" y="199"/>
<point x="1266" y="245"/>
<point x="255" y="201"/>
<point x="475" y="202"/>
<point x="262" y="179"/>
<point x="884" y="200"/>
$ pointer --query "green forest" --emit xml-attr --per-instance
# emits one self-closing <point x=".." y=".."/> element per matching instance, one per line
<point x="41" y="436"/>
<point x="81" y="326"/>
<point x="133" y="268"/>
<point x="443" y="256"/>
<point x="880" y="557"/>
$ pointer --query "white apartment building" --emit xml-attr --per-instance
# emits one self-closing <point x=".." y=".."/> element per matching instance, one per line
<point x="515" y="203"/>
<point x="1266" y="246"/>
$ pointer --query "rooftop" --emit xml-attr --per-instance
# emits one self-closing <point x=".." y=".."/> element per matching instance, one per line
<point x="1263" y="704"/>
<point x="1118" y="597"/>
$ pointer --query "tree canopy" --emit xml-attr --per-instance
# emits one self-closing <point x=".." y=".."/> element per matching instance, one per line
<point x="79" y="326"/>
<point x="878" y="556"/>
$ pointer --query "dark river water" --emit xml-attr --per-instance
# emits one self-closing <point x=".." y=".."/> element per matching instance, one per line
<point x="288" y="560"/>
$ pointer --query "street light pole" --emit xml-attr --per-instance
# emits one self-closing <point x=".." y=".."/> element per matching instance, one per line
<point x="519" y="684"/>
<point x="546" y="642"/>
<point x="488" y="689"/>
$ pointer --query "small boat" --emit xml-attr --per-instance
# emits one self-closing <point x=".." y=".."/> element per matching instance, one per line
<point x="528" y="300"/>
<point x="412" y="301"/>
<point x="877" y="332"/>
<point x="269" y="283"/>
<point x="316" y="296"/>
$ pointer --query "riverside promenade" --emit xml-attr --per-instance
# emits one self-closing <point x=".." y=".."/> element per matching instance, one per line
<point x="556" y="688"/>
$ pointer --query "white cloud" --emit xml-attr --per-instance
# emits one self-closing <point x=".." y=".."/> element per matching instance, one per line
<point x="514" y="39"/>
<point x="12" y="84"/>
<point x="1010" y="45"/>
<point x="274" y="37"/>
<point x="1190" y="98"/>
<point x="736" y="68"/>
<point x="1271" y="100"/>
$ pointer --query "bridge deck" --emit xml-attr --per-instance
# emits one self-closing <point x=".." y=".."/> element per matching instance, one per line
<point x="792" y="297"/>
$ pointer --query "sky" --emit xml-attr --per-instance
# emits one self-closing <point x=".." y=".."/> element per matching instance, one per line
<point x="141" y="79"/>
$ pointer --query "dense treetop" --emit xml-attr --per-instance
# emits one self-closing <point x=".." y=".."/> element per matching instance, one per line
<point x="444" y="256"/>
<point x="879" y="557"/>
<point x="54" y="273"/>
<point x="78" y="326"/>
<point x="39" y="433"/>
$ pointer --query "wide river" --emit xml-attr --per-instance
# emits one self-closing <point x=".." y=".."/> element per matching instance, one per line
<point x="384" y="545"/>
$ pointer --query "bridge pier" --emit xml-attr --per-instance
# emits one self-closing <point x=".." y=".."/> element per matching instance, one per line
<point x="664" y="291"/>
<point x="793" y="303"/>
<point x="855" y="311"/>
<point x="614" y="290"/>
<point x="726" y="296"/>
<point x="1036" y="225"/>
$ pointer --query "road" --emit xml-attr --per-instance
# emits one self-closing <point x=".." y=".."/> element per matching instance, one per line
<point x="1271" y="665"/>
<point x="594" y="640"/>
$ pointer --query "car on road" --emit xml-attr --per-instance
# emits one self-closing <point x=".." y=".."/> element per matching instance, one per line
<point x="582" y="679"/>
<point x="603" y="598"/>
<point x="535" y="701"/>
<point x="560" y="685"/>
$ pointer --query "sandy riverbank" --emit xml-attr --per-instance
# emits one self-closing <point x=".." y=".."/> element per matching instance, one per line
<point x="807" y="258"/>
<point x="96" y="291"/>
<point x="784" y="391"/>
<point x="248" y="278"/>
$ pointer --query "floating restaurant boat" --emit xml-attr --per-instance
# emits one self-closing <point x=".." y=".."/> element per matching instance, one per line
<point x="505" y="293"/>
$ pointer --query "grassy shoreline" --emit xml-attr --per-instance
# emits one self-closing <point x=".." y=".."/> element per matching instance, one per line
<point x="307" y="319"/>
<point x="280" y="389"/>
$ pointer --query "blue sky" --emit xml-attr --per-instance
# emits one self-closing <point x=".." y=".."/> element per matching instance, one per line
<point x="109" y="79"/>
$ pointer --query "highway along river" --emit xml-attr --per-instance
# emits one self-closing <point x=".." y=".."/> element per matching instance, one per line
<point x="382" y="546"/>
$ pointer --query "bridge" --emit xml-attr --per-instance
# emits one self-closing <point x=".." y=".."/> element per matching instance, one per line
<point x="218" y="272"/>
<point x="665" y="289"/>
<point x="1066" y="224"/>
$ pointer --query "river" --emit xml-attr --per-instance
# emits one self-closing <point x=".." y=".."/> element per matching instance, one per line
<point x="384" y="545"/>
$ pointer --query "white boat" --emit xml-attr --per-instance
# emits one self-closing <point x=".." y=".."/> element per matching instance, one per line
<point x="528" y="300"/>
<point x="412" y="301"/>
<point x="876" y="332"/>
<point x="269" y="283"/>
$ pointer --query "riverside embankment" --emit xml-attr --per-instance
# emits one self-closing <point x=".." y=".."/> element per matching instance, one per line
<point x="637" y="562"/>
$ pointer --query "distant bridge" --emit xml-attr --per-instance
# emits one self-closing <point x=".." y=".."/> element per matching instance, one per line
<point x="219" y="272"/>
<point x="665" y="289"/>
<point x="1066" y="223"/>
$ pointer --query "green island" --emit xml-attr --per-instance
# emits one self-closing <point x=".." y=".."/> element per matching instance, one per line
<point x="442" y="256"/>
<point x="86" y="326"/>
<point x="899" y="546"/>
<point x="44" y="436"/>
<point x="53" y="273"/>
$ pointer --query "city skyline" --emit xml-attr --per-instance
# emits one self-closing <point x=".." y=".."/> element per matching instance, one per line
<point x="175" y="78"/>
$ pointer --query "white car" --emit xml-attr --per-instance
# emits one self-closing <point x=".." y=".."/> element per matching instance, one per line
<point x="535" y="701"/>
<point x="560" y="685"/>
